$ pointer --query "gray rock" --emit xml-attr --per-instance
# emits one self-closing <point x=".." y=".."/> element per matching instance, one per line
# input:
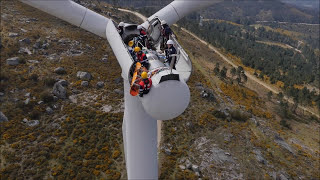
<point x="84" y="83"/>
<point x="27" y="94"/>
<point x="23" y="30"/>
<point x="33" y="61"/>
<point x="3" y="118"/>
<point x="182" y="167"/>
<point x="60" y="70"/>
<point x="273" y="174"/>
<point x="54" y="57"/>
<point x="259" y="156"/>
<point x="25" y="40"/>
<point x="25" y="120"/>
<point x="84" y="75"/>
<point x="106" y="108"/>
<point x="73" y="98"/>
<point x="182" y="160"/>
<point x="282" y="177"/>
<point x="13" y="61"/>
<point x="25" y="50"/>
<point x="59" y="90"/>
<point x="45" y="46"/>
<point x="100" y="84"/>
<point x="37" y="45"/>
<point x="118" y="80"/>
<point x="219" y="156"/>
<point x="63" y="82"/>
<point x="198" y="174"/>
<point x="11" y="34"/>
<point x="40" y="102"/>
<point x="228" y="137"/>
<point x="283" y="144"/>
<point x="207" y="94"/>
<point x="49" y="110"/>
<point x="33" y="123"/>
<point x="75" y="52"/>
<point x="104" y="60"/>
<point x="27" y="101"/>
<point x="167" y="151"/>
<point x="63" y="41"/>
<point x="188" y="164"/>
<point x="118" y="91"/>
<point x="1" y="93"/>
<point x="195" y="168"/>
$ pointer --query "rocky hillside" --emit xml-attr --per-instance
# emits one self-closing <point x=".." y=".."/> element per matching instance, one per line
<point x="61" y="108"/>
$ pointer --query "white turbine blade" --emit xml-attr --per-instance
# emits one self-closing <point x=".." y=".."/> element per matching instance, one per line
<point x="73" y="13"/>
<point x="119" y="49"/>
<point x="178" y="9"/>
<point x="140" y="139"/>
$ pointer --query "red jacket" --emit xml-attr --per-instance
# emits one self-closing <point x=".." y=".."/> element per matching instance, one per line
<point x="141" y="57"/>
<point x="142" y="32"/>
<point x="145" y="84"/>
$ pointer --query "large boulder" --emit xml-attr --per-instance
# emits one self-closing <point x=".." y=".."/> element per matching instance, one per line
<point x="13" y="61"/>
<point x="84" y="83"/>
<point x="59" y="90"/>
<point x="3" y="118"/>
<point x="100" y="84"/>
<point x="60" y="70"/>
<point x="84" y="75"/>
<point x="11" y="34"/>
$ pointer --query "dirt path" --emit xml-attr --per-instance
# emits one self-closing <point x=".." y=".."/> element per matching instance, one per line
<point x="250" y="76"/>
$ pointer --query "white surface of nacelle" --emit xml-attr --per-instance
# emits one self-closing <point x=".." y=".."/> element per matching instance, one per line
<point x="73" y="13"/>
<point x="178" y="9"/>
<point x="168" y="99"/>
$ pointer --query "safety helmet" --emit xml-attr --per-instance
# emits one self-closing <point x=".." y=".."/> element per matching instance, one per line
<point x="137" y="49"/>
<point x="144" y="75"/>
<point x="130" y="43"/>
<point x="163" y="22"/>
<point x="121" y="24"/>
<point x="139" y="27"/>
<point x="170" y="42"/>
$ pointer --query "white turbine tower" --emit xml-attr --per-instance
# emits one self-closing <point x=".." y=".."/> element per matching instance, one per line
<point x="169" y="95"/>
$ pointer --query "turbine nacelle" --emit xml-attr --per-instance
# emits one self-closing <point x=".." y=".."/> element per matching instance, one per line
<point x="166" y="99"/>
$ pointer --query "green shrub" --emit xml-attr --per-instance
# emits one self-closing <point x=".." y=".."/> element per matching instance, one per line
<point x="34" y="77"/>
<point x="285" y="124"/>
<point x="239" y="115"/>
<point x="35" y="114"/>
<point x="49" y="82"/>
<point x="46" y="97"/>
<point x="22" y="60"/>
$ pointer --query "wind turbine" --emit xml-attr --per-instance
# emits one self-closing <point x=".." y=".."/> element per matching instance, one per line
<point x="169" y="95"/>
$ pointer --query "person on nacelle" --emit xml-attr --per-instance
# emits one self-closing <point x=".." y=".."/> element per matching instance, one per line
<point x="170" y="54"/>
<point x="145" y="84"/>
<point x="143" y="35"/>
<point x="141" y="57"/>
<point x="120" y="28"/>
<point x="131" y="50"/>
<point x="165" y="31"/>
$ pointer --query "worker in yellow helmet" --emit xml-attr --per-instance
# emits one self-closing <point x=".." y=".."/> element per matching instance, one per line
<point x="131" y="50"/>
<point x="145" y="84"/>
<point x="141" y="57"/>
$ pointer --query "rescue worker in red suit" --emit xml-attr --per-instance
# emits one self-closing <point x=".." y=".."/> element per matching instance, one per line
<point x="141" y="57"/>
<point x="145" y="84"/>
